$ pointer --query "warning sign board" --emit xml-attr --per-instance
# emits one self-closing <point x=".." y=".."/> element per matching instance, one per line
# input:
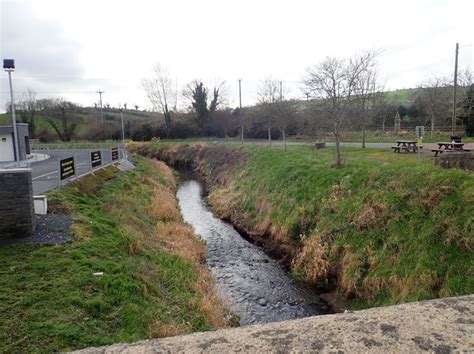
<point x="66" y="168"/>
<point x="115" y="154"/>
<point x="96" y="159"/>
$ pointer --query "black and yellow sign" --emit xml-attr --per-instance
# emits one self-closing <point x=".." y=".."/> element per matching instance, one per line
<point x="66" y="168"/>
<point x="115" y="154"/>
<point x="96" y="159"/>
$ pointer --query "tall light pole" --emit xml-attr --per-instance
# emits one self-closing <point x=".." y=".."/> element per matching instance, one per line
<point x="241" y="115"/>
<point x="455" y="86"/>
<point x="101" y="108"/>
<point x="9" y="66"/>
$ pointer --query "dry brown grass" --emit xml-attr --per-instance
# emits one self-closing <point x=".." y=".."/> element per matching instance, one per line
<point x="164" y="206"/>
<point x="180" y="239"/>
<point x="372" y="214"/>
<point x="158" y="329"/>
<point x="349" y="274"/>
<point x="211" y="306"/>
<point x="312" y="260"/>
<point x="222" y="201"/>
<point x="432" y="197"/>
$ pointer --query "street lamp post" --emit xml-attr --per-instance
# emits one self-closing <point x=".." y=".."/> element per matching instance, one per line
<point x="9" y="66"/>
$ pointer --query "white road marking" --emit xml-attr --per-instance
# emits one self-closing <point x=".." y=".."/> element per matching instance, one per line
<point x="46" y="174"/>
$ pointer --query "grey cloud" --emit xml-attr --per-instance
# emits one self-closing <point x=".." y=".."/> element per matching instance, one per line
<point x="46" y="60"/>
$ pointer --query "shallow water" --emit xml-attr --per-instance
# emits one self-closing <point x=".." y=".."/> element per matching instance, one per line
<point x="255" y="287"/>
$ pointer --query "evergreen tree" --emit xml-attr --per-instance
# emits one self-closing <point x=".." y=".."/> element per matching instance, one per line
<point x="199" y="103"/>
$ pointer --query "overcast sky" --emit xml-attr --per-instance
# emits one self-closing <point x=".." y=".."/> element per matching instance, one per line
<point x="72" y="48"/>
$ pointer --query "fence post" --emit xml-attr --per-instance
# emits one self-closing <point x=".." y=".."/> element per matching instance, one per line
<point x="59" y="172"/>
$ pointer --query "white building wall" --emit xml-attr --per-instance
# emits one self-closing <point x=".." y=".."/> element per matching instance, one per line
<point x="7" y="151"/>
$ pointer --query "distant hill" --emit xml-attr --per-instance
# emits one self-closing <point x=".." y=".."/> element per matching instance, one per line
<point x="88" y="117"/>
<point x="404" y="96"/>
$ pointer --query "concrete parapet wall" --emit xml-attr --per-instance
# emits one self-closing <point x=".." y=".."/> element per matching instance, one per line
<point x="16" y="203"/>
<point x="442" y="325"/>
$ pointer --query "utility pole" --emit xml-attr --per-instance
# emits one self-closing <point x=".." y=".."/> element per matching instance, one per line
<point x="123" y="130"/>
<point x="176" y="94"/>
<point x="101" y="108"/>
<point x="9" y="66"/>
<point x="281" y="90"/>
<point x="455" y="87"/>
<point x="241" y="115"/>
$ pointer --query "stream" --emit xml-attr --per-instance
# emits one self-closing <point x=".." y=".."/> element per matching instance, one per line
<point x="253" y="285"/>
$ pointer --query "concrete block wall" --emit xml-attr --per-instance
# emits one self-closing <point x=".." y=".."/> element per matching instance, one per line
<point x="464" y="160"/>
<point x="16" y="203"/>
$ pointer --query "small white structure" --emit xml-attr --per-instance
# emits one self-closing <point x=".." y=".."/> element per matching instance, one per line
<point x="41" y="204"/>
<point x="7" y="144"/>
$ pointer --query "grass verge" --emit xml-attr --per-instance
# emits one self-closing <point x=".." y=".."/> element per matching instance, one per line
<point x="128" y="226"/>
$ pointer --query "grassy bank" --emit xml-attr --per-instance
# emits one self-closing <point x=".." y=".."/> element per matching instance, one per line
<point x="384" y="229"/>
<point x="126" y="225"/>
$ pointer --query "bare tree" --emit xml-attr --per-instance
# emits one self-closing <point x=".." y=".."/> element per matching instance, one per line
<point x="160" y="90"/>
<point x="64" y="120"/>
<point x="285" y="114"/>
<point x="435" y="100"/>
<point x="334" y="82"/>
<point x="367" y="92"/>
<point x="27" y="109"/>
<point x="268" y="93"/>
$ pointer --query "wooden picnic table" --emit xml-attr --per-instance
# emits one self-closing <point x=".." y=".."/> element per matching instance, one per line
<point x="448" y="146"/>
<point x="405" y="145"/>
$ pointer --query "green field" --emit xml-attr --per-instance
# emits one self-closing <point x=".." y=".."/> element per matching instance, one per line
<point x="85" y="121"/>
<point x="384" y="229"/>
<point x="49" y="299"/>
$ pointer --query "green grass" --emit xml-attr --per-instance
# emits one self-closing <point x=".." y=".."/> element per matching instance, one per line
<point x="49" y="298"/>
<point x="418" y="246"/>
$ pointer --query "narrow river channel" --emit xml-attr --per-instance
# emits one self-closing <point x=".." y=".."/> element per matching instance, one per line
<point x="254" y="286"/>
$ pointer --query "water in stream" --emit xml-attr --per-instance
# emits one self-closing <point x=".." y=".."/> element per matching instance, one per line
<point x="255" y="286"/>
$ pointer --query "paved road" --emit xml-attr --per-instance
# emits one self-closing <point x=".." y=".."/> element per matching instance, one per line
<point x="45" y="173"/>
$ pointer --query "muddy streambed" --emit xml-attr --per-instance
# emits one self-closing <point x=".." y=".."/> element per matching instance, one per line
<point x="252" y="284"/>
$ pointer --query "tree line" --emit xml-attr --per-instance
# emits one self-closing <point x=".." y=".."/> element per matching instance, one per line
<point x="342" y="94"/>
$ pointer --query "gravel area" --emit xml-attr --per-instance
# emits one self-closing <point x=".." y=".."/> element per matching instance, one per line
<point x="50" y="229"/>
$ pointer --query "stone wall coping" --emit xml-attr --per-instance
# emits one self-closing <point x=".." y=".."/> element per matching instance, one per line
<point x="15" y="170"/>
<point x="440" y="326"/>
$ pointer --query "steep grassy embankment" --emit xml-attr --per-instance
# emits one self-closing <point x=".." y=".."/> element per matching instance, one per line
<point x="384" y="229"/>
<point x="128" y="226"/>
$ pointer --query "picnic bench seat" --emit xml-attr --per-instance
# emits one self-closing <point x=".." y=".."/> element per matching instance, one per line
<point x="399" y="148"/>
<point x="440" y="151"/>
